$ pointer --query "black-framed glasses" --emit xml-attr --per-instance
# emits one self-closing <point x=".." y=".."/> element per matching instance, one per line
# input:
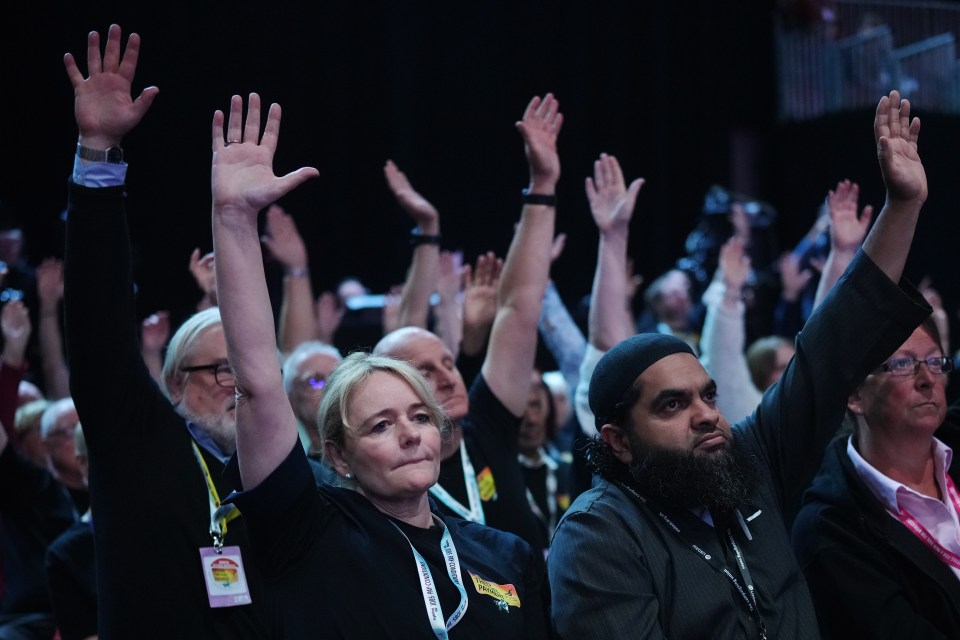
<point x="222" y="372"/>
<point x="910" y="366"/>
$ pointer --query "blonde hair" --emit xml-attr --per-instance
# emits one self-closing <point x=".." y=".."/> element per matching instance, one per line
<point x="354" y="371"/>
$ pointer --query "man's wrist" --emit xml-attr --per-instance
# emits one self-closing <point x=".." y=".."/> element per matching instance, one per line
<point x="297" y="272"/>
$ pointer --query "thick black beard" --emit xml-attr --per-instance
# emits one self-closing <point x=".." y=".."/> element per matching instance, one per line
<point x="720" y="481"/>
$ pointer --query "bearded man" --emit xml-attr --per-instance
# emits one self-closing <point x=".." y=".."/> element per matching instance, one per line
<point x="683" y="534"/>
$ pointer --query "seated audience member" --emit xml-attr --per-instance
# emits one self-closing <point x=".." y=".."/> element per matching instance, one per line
<point x="305" y="374"/>
<point x="877" y="537"/>
<point x="71" y="570"/>
<point x="683" y="535"/>
<point x="670" y="309"/>
<point x="35" y="508"/>
<point x="156" y="456"/>
<point x="27" y="427"/>
<point x="57" y="426"/>
<point x="480" y="478"/>
<point x="421" y="574"/>
<point x="545" y="472"/>
<point x="766" y="359"/>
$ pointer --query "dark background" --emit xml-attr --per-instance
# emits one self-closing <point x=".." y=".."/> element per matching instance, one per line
<point x="682" y="93"/>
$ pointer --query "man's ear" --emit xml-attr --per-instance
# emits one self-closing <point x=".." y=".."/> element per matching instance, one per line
<point x="616" y="438"/>
<point x="855" y="403"/>
<point x="335" y="456"/>
<point x="175" y="387"/>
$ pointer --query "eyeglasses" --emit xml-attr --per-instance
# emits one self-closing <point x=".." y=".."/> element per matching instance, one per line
<point x="910" y="366"/>
<point x="222" y="372"/>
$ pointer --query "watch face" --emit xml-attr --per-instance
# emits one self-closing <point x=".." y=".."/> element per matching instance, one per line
<point x="115" y="155"/>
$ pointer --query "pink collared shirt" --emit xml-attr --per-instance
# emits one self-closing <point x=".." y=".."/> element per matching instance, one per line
<point x="939" y="517"/>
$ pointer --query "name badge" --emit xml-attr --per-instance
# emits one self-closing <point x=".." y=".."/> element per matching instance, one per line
<point x="226" y="580"/>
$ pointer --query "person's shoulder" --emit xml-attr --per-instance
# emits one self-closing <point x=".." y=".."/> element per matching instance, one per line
<point x="604" y="500"/>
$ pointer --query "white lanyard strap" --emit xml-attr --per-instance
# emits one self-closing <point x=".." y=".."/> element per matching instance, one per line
<point x="475" y="512"/>
<point x="431" y="598"/>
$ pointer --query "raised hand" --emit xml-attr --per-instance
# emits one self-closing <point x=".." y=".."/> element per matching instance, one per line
<point x="611" y="202"/>
<point x="391" y="308"/>
<point x="559" y="242"/>
<point x="540" y="127"/>
<point x="480" y="290"/>
<point x="16" y="327"/>
<point x="896" y="137"/>
<point x="734" y="264"/>
<point x="103" y="107"/>
<point x="424" y="214"/>
<point x="329" y="315"/>
<point x="793" y="279"/>
<point x="847" y="229"/>
<point x="204" y="273"/>
<point x="283" y="240"/>
<point x="50" y="284"/>
<point x="154" y="332"/>
<point x="242" y="175"/>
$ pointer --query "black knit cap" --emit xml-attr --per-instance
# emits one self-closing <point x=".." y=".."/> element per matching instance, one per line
<point x="620" y="366"/>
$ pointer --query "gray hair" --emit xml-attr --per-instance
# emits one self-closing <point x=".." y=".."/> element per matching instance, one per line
<point x="303" y="351"/>
<point x="181" y="343"/>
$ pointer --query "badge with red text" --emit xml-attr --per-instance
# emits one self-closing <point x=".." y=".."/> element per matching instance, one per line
<point x="505" y="594"/>
<point x="225" y="578"/>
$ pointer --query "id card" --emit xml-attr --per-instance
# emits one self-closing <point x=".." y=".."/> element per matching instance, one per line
<point x="225" y="578"/>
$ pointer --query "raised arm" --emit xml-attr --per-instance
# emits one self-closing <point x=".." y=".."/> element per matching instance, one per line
<point x="284" y="242"/>
<point x="558" y="329"/>
<point x="56" y="376"/>
<point x="888" y="242"/>
<point x="611" y="204"/>
<point x="847" y="231"/>
<point x="202" y="270"/>
<point x="526" y="269"/>
<point x="154" y="333"/>
<point x="724" y="333"/>
<point x="422" y="275"/>
<point x="481" y="283"/>
<point x="243" y="183"/>
<point x="447" y="313"/>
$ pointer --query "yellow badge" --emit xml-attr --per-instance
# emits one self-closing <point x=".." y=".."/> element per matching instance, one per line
<point x="563" y="501"/>
<point x="504" y="594"/>
<point x="488" y="488"/>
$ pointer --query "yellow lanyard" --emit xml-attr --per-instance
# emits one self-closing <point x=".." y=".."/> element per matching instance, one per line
<point x="220" y="515"/>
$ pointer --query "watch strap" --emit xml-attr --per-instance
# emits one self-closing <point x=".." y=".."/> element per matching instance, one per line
<point x="113" y="154"/>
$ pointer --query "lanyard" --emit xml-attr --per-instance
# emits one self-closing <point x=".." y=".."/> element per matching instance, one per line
<point x="551" y="487"/>
<point x="926" y="537"/>
<point x="475" y="512"/>
<point x="748" y="595"/>
<point x="220" y="515"/>
<point x="431" y="599"/>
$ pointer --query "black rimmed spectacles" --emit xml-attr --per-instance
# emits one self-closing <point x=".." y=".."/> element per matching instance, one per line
<point x="910" y="366"/>
<point x="222" y="372"/>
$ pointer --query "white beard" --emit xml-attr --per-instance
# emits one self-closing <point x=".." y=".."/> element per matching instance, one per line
<point x="221" y="427"/>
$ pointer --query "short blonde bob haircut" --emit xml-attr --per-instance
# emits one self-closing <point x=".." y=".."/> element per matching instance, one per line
<point x="347" y="378"/>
